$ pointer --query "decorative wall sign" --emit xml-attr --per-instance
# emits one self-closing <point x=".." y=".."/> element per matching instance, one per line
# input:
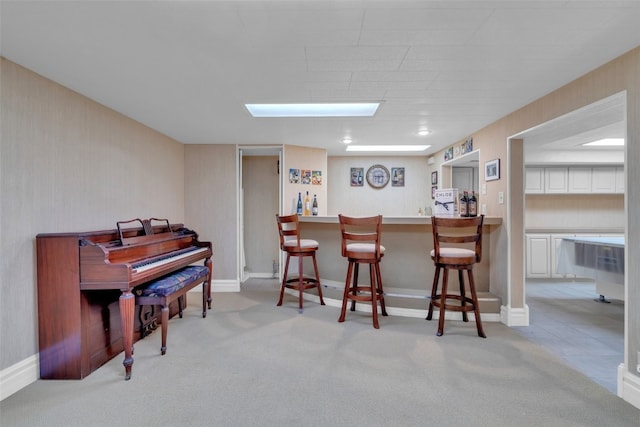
<point x="492" y="170"/>
<point x="397" y="177"/>
<point x="378" y="176"/>
<point x="294" y="176"/>
<point x="357" y="177"/>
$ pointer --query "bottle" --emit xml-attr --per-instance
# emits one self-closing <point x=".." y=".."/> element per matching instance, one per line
<point x="299" y="207"/>
<point x="314" y="207"/>
<point x="473" y="205"/>
<point x="307" y="205"/>
<point x="464" y="204"/>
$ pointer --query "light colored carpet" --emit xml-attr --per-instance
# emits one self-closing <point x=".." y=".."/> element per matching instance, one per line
<point x="250" y="363"/>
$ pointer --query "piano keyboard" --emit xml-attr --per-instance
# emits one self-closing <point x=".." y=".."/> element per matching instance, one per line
<point x="148" y="264"/>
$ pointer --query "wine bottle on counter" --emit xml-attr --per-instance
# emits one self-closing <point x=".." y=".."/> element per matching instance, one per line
<point x="473" y="205"/>
<point x="299" y="207"/>
<point x="464" y="204"/>
<point x="314" y="207"/>
<point x="307" y="205"/>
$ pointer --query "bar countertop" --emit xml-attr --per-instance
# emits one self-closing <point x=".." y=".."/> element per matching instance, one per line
<point x="410" y="220"/>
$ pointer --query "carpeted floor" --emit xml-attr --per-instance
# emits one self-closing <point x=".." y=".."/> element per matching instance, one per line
<point x="250" y="363"/>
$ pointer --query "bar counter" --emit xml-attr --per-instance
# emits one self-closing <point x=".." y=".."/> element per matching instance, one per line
<point x="407" y="268"/>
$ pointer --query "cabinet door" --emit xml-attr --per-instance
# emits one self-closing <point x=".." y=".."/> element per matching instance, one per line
<point x="556" y="239"/>
<point x="555" y="180"/>
<point x="538" y="256"/>
<point x="603" y="179"/>
<point x="620" y="179"/>
<point x="579" y="180"/>
<point x="534" y="180"/>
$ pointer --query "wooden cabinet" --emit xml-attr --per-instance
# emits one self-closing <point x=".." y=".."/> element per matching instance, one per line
<point x="603" y="180"/>
<point x="620" y="179"/>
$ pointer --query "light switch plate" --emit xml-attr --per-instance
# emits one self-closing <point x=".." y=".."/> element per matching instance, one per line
<point x="501" y="197"/>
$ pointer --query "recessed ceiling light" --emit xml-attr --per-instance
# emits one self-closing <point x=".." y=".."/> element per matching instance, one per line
<point x="343" y="109"/>
<point x="346" y="140"/>
<point x="423" y="132"/>
<point x="606" y="142"/>
<point x="372" y="148"/>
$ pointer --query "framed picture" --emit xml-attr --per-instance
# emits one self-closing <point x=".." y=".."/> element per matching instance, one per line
<point x="434" y="178"/>
<point x="357" y="177"/>
<point x="397" y="177"/>
<point x="492" y="170"/>
<point x="433" y="191"/>
<point x="448" y="154"/>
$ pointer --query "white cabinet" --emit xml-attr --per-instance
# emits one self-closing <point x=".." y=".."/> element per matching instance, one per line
<point x="556" y="180"/>
<point x="579" y="180"/>
<point x="603" y="180"/>
<point x="538" y="256"/>
<point x="534" y="180"/>
<point x="542" y="253"/>
<point x="620" y="179"/>
<point x="574" y="180"/>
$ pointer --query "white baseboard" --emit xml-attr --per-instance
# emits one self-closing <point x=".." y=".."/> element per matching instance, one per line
<point x="18" y="376"/>
<point x="514" y="316"/>
<point x="628" y="386"/>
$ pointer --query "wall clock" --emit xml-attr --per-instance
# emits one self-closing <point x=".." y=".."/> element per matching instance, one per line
<point x="377" y="176"/>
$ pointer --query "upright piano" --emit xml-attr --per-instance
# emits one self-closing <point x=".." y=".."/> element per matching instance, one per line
<point x="86" y="308"/>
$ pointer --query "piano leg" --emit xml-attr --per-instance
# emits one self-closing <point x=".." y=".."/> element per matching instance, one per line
<point x="209" y="264"/>
<point x="127" y="313"/>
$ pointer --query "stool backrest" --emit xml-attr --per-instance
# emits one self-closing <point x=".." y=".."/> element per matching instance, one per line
<point x="289" y="230"/>
<point x="361" y="230"/>
<point x="457" y="232"/>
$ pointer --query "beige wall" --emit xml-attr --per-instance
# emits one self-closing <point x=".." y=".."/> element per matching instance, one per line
<point x="211" y="203"/>
<point x="389" y="201"/>
<point x="69" y="164"/>
<point x="295" y="157"/>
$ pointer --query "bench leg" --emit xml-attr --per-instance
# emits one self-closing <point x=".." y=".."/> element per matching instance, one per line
<point x="165" y="326"/>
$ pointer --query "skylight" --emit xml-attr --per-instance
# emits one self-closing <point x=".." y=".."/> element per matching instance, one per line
<point x="373" y="148"/>
<point x="313" y="110"/>
<point x="606" y="142"/>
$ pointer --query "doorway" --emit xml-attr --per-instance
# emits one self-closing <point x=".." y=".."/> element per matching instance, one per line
<point x="260" y="199"/>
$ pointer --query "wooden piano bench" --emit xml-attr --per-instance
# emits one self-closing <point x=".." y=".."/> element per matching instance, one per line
<point x="174" y="286"/>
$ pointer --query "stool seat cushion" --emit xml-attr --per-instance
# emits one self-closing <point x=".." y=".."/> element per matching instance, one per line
<point x="454" y="253"/>
<point x="363" y="247"/>
<point x="175" y="281"/>
<point x="304" y="244"/>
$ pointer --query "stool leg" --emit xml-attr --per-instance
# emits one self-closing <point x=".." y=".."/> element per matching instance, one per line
<point x="300" y="283"/>
<point x="463" y="303"/>
<point x="374" y="296"/>
<point x="443" y="301"/>
<point x="354" y="285"/>
<point x="379" y="278"/>
<point x="476" y="309"/>
<point x="284" y="279"/>
<point x="180" y="304"/>
<point x="165" y="326"/>
<point x="434" y="289"/>
<point x="347" y="282"/>
<point x="315" y="269"/>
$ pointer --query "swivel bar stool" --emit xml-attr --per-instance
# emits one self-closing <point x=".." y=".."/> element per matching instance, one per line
<point x="456" y="233"/>
<point x="294" y="246"/>
<point x="361" y="244"/>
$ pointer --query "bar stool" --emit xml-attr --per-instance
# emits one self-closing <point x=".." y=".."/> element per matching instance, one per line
<point x="361" y="244"/>
<point x="293" y="245"/>
<point x="456" y="231"/>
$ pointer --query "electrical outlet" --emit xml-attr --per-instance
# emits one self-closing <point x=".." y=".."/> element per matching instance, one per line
<point x="484" y="189"/>
<point x="484" y="209"/>
<point x="501" y="197"/>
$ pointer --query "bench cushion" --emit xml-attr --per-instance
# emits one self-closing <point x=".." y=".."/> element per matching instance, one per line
<point x="168" y="285"/>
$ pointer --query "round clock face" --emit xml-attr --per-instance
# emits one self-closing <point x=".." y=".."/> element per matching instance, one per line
<point x="377" y="176"/>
